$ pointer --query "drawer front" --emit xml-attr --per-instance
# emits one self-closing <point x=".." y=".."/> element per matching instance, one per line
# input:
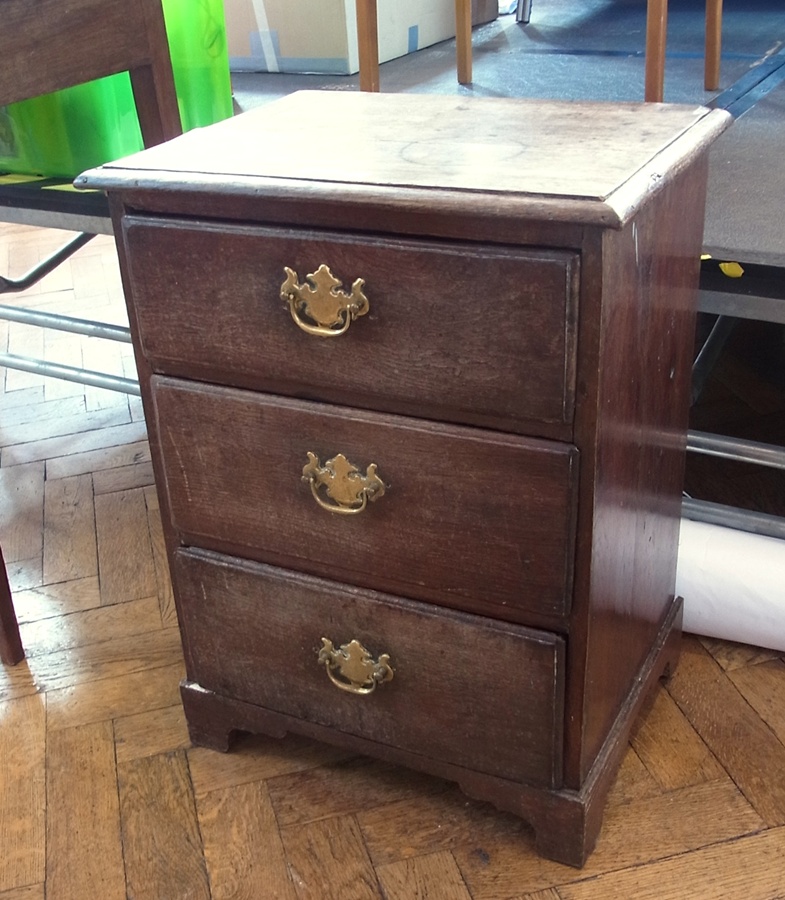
<point x="494" y="690"/>
<point x="467" y="518"/>
<point x="460" y="332"/>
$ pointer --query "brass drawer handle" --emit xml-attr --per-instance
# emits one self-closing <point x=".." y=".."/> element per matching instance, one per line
<point x="348" y="489"/>
<point x="332" y="309"/>
<point x="352" y="668"/>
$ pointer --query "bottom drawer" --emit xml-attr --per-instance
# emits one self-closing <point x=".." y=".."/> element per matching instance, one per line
<point x="470" y="691"/>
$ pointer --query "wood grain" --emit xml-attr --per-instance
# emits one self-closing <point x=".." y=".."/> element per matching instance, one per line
<point x="392" y="147"/>
<point x="125" y="562"/>
<point x="242" y="845"/>
<point x="109" y="698"/>
<point x="433" y="821"/>
<point x="62" y="598"/>
<point x="528" y="549"/>
<point x="69" y="518"/>
<point x="761" y="687"/>
<point x="731" y="656"/>
<point x="258" y="758"/>
<point x="514" y="369"/>
<point x="327" y="860"/>
<point x="662" y="826"/>
<point x="716" y="871"/>
<point x="432" y="877"/>
<point x="21" y="528"/>
<point x="90" y="439"/>
<point x="84" y="856"/>
<point x="94" y="662"/>
<point x="124" y="454"/>
<point x="22" y="792"/>
<point x="729" y="726"/>
<point x="90" y="625"/>
<point x="666" y="735"/>
<point x="258" y="640"/>
<point x="161" y="563"/>
<point x="150" y="732"/>
<point x="31" y="892"/>
<point x="162" y="847"/>
<point x="361" y="784"/>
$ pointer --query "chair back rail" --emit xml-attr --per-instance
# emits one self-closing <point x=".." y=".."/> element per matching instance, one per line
<point x="47" y="45"/>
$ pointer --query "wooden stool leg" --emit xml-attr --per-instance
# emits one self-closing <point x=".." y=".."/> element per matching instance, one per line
<point x="656" y="30"/>
<point x="463" y="40"/>
<point x="11" y="651"/>
<point x="713" y="44"/>
<point x="368" y="43"/>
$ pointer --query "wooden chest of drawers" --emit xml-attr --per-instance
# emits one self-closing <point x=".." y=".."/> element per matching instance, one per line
<point x="416" y="375"/>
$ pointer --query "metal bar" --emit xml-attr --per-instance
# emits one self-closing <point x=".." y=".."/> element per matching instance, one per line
<point x="733" y="517"/>
<point x="48" y="218"/>
<point x="710" y="353"/>
<point x="743" y="306"/>
<point x="736" y="448"/>
<point x="66" y="323"/>
<point x="756" y="280"/>
<point x="13" y="285"/>
<point x="70" y="373"/>
<point x="523" y="13"/>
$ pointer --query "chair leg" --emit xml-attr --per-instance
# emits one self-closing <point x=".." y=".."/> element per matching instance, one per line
<point x="656" y="30"/>
<point x="713" y="44"/>
<point x="11" y="650"/>
<point x="463" y="40"/>
<point x="368" y="44"/>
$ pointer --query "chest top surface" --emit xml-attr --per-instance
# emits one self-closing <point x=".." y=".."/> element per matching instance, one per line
<point x="597" y="161"/>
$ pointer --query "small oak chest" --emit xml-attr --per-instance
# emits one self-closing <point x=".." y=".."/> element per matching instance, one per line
<point x="416" y="376"/>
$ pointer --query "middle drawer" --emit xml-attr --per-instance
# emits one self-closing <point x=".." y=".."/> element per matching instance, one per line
<point x="462" y="517"/>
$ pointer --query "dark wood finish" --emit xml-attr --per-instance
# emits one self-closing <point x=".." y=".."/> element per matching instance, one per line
<point x="258" y="637"/>
<point x="419" y="540"/>
<point x="638" y="443"/>
<point x="11" y="651"/>
<point x="566" y="823"/>
<point x="47" y="45"/>
<point x="513" y="366"/>
<point x="620" y="188"/>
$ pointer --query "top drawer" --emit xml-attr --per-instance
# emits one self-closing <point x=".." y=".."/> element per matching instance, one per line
<point x="462" y="332"/>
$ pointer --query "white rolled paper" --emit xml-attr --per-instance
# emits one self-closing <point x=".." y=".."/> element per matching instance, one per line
<point x="733" y="584"/>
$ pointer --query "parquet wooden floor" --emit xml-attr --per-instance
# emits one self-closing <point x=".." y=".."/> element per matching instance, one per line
<point x="102" y="796"/>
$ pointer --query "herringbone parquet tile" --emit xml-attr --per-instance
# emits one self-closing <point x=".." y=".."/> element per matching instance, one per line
<point x="102" y="796"/>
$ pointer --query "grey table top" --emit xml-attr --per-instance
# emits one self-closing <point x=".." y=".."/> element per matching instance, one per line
<point x="745" y="210"/>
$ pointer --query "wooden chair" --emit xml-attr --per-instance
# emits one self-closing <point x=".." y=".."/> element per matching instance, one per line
<point x="368" y="42"/>
<point x="656" y="27"/>
<point x="10" y="643"/>
<point x="46" y="45"/>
